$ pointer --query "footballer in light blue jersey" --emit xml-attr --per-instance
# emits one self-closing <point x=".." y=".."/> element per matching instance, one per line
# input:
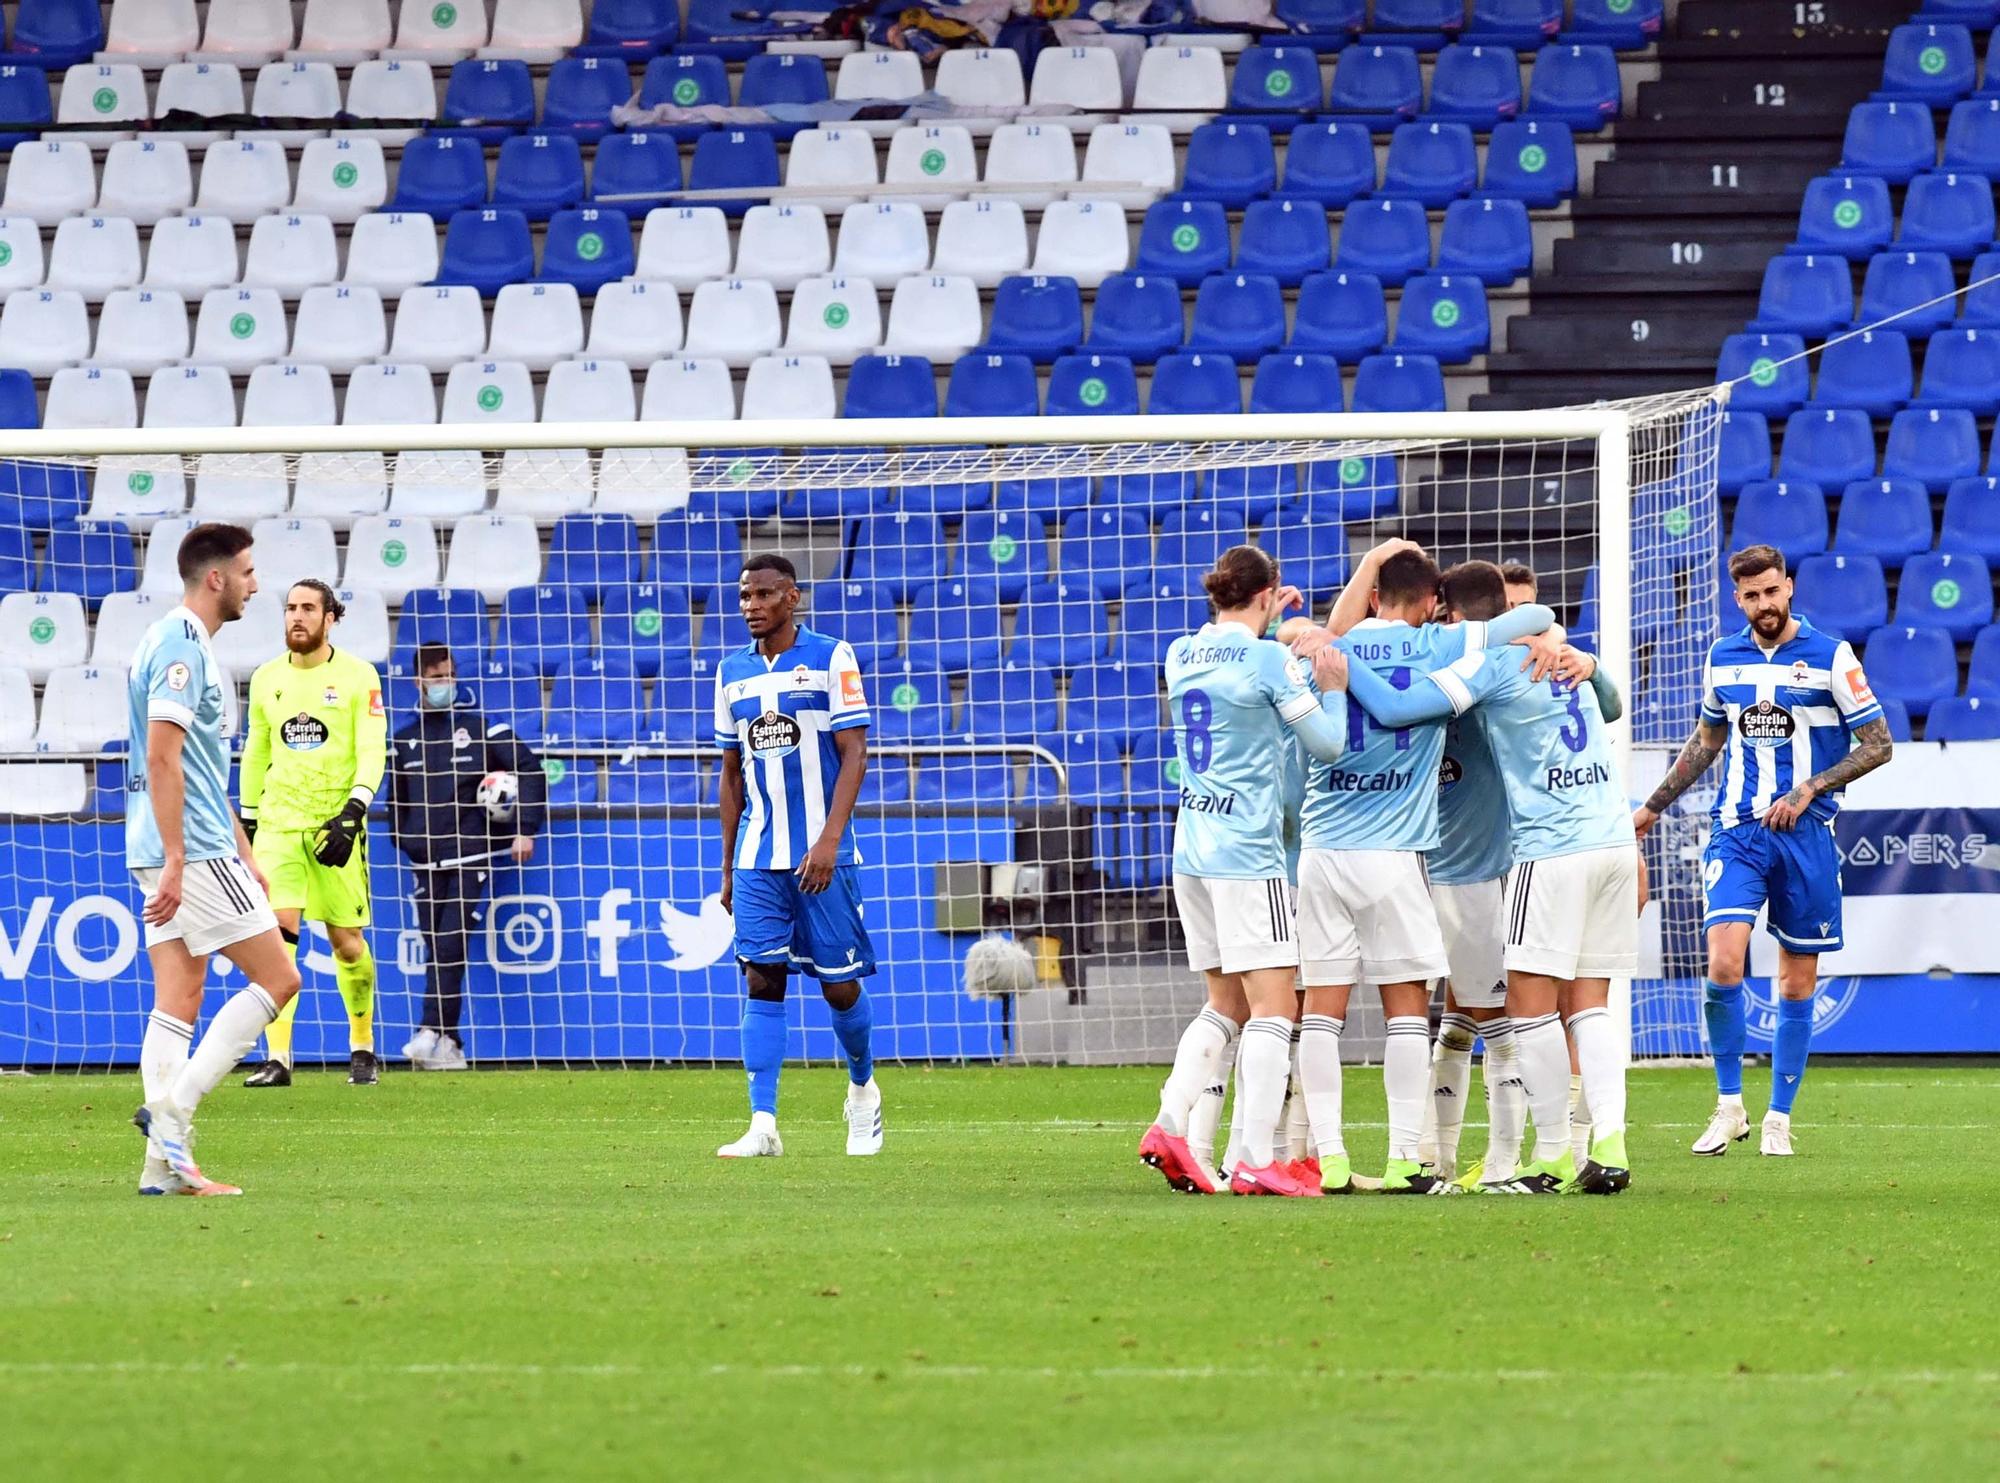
<point x="174" y="678"/>
<point x="1472" y="809"/>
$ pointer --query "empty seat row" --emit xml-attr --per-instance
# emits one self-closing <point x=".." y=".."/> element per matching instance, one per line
<point x="1898" y="141"/>
<point x="1886" y="519"/>
<point x="147" y="179"/>
<point x="1933" y="448"/>
<point x="1874" y="371"/>
<point x="1850" y="216"/>
<point x="1813" y="294"/>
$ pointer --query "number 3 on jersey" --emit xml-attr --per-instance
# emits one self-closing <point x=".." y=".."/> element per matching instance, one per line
<point x="1575" y="731"/>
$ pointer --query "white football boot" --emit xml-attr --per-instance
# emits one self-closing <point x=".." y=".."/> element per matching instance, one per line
<point x="1777" y="1137"/>
<point x="863" y="1111"/>
<point x="421" y="1046"/>
<point x="1727" y="1126"/>
<point x="761" y="1142"/>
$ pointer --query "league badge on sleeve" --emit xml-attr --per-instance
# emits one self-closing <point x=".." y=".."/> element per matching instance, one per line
<point x="178" y="676"/>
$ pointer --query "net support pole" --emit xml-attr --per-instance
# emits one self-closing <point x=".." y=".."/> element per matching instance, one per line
<point x="1614" y="610"/>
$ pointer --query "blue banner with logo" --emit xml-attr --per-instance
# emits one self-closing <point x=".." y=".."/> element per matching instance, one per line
<point x="1881" y="1015"/>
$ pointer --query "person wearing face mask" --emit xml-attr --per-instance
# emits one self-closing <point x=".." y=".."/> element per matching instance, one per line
<point x="436" y="818"/>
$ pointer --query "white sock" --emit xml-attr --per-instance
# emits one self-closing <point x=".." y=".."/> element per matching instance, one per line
<point x="1264" y="1061"/>
<point x="1195" y="1062"/>
<point x="1233" y="1155"/>
<point x="1579" y="1120"/>
<point x="1545" y="1079"/>
<point x="1506" y="1103"/>
<point x="1206" y="1115"/>
<point x="1598" y="1052"/>
<point x="1298" y="1126"/>
<point x="233" y="1031"/>
<point x="1451" y="1074"/>
<point x="163" y="1052"/>
<point x="1406" y="1075"/>
<point x="1319" y="1077"/>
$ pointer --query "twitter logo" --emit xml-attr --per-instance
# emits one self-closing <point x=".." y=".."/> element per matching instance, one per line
<point x="697" y="940"/>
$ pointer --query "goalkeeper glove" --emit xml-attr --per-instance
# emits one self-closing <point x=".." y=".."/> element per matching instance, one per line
<point x="333" y="842"/>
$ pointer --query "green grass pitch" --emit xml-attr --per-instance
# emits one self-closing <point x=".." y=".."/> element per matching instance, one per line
<point x="544" y="1275"/>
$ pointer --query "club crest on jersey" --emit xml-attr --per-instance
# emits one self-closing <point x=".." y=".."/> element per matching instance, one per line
<point x="775" y="734"/>
<point x="802" y="678"/>
<point x="1800" y="674"/>
<point x="1765" y="724"/>
<point x="332" y="696"/>
<point x="1760" y="1006"/>
<point x="303" y="733"/>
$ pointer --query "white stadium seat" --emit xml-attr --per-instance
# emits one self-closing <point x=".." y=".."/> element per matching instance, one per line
<point x="253" y="30"/>
<point x="392" y="89"/>
<point x="21" y="262"/>
<point x="783" y="244"/>
<point x="867" y="75"/>
<point x="1084" y="77"/>
<point x="43" y="631"/>
<point x="364" y="629"/>
<point x="392" y="555"/>
<point x="346" y="30"/>
<point x="589" y="390"/>
<point x="439" y="327"/>
<point x="488" y="392"/>
<point x="649" y="482"/>
<point x="244" y="179"/>
<point x="442" y="33"/>
<point x="141" y="329"/>
<point x="290" y="548"/>
<point x="494" y="554"/>
<point x="981" y="77"/>
<point x="137" y="491"/>
<point x="339" y="327"/>
<point x="17" y="706"/>
<point x="289" y="394"/>
<point x="240" y="487"/>
<point x="838" y="318"/>
<point x="341" y="488"/>
<point x="159" y="572"/>
<point x="95" y="255"/>
<point x="83" y="709"/>
<point x="882" y="240"/>
<point x="535" y="30"/>
<point x="841" y="160"/>
<point x="209" y="90"/>
<point x="547" y="483"/>
<point x="935" y="315"/>
<point x="103" y="94"/>
<point x="122" y="620"/>
<point x="44" y="329"/>
<point x="439" y="486"/>
<point x="635" y="322"/>
<point x="782" y="387"/>
<point x="146" y="179"/>
<point x="291" y="252"/>
<point x="933" y="155"/>
<point x="537" y="324"/>
<point x="688" y="389"/>
<point x="984" y="240"/>
<point x="1188" y="79"/>
<point x="190" y="396"/>
<point x="91" y="397"/>
<point x="342" y="179"/>
<point x="392" y="251"/>
<point x="733" y="319"/>
<point x="152" y="30"/>
<point x="295" y="90"/>
<point x="240" y="647"/>
<point x="683" y="245"/>
<point x="238" y="328"/>
<point x="44" y="788"/>
<point x="1084" y="240"/>
<point x="390" y="395"/>
<point x="1019" y="156"/>
<point x="189" y="255"/>
<point x="50" y="179"/>
<point x="1137" y="156"/>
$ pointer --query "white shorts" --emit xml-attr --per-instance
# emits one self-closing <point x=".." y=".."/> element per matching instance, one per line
<point x="1235" y="926"/>
<point x="220" y="905"/>
<point x="1365" y="916"/>
<point x="1474" y="925"/>
<point x="1575" y="916"/>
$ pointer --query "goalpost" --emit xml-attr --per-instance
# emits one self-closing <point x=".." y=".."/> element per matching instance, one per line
<point x="1010" y="585"/>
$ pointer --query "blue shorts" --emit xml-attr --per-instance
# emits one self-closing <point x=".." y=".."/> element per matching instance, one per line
<point x="1796" y="872"/>
<point x="822" y="935"/>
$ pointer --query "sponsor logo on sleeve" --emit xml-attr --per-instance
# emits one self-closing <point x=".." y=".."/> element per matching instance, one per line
<point x="850" y="687"/>
<point x="374" y="702"/>
<point x="1857" y="681"/>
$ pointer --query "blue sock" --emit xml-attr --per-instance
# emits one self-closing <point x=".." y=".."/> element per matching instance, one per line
<point x="1722" y="1011"/>
<point x="1788" y="1052"/>
<point x="855" y="1028"/>
<point x="763" y="1051"/>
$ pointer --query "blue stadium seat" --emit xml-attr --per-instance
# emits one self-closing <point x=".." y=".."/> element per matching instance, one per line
<point x="722" y="634"/>
<point x="645" y="625"/>
<point x="684" y="704"/>
<point x="1948" y="212"/>
<point x="1117" y="697"/>
<point x="1399" y="383"/>
<point x="1898" y="716"/>
<point x="580" y="94"/>
<point x="955" y="625"/>
<point x="1845" y="214"/>
<point x="1476" y="84"/>
<point x="1979" y="305"/>
<point x="1013" y="703"/>
<point x="1625" y="24"/>
<point x="1431" y="162"/>
<point x="37" y="495"/>
<point x="860" y="612"/>
<point x="993" y="386"/>
<point x="488" y="100"/>
<point x="1899" y="281"/>
<point x="1238" y="314"/>
<point x="1285" y="382"/>
<point x="1342" y="315"/>
<point x="1892" y="140"/>
<point x="1195" y="385"/>
<point x="1935" y="446"/>
<point x="1312" y="556"/>
<point x="1745" y="450"/>
<point x="588" y="246"/>
<point x="1093" y="386"/>
<point x="1040" y="318"/>
<point x="1136" y="315"/>
<point x="593" y="553"/>
<point x="1844" y="595"/>
<point x="1972" y="137"/>
<point x="1532" y="160"/>
<point x="897" y="552"/>
<point x="1964" y="718"/>
<point x="1913" y="665"/>
<point x="1358" y="487"/>
<point x="1156" y="613"/>
<point x="439" y="175"/>
<point x="539" y="174"/>
<point x="636" y="164"/>
<point x="1810" y="293"/>
<point x="1952" y="590"/>
<point x="90" y="558"/>
<point x="962" y="780"/>
<point x="912" y="703"/>
<point x="1888" y="519"/>
<point x="1386" y="237"/>
<point x="1972" y="518"/>
<point x="1769" y="372"/>
<point x="58" y="33"/>
<point x="1962" y="369"/>
<point x="1443" y="316"/>
<point x="785" y="78"/>
<point x="1790" y="516"/>
<point x="1488" y="238"/>
<point x="653" y="782"/>
<point x="696" y="553"/>
<point x="1006" y="548"/>
<point x="1376" y="86"/>
<point x="1325" y="24"/>
<point x="686" y="80"/>
<point x="17" y="558"/>
<point x="1983" y="675"/>
<point x="1095" y="769"/>
<point x="1229" y="162"/>
<point x="1928" y="63"/>
<point x="452" y="616"/>
<point x="24" y="101"/>
<point x="1828" y="446"/>
<point x="1275" y="79"/>
<point x="487" y="248"/>
<point x="542" y="629"/>
<point x="1425" y="24"/>
<point x="1061" y="624"/>
<point x="1871" y="371"/>
<point x="726" y="29"/>
<point x="594" y="704"/>
<point x="1192" y="536"/>
<point x="1284" y="239"/>
<point x="1106" y="548"/>
<point x="891" y="386"/>
<point x="1331" y="161"/>
<point x="1522" y="24"/>
<point x="1575" y="85"/>
<point x="502" y="693"/>
<point x="1183" y="240"/>
<point x="633" y="27"/>
<point x="725" y="159"/>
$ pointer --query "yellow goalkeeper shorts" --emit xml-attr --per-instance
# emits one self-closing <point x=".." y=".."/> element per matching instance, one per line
<point x="320" y="893"/>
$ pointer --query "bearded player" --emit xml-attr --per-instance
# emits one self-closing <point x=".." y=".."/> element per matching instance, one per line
<point x="318" y="737"/>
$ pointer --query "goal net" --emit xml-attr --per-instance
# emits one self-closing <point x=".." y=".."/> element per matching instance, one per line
<point x="1009" y="585"/>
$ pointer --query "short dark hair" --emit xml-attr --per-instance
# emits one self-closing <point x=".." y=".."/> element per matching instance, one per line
<point x="1240" y="573"/>
<point x="1408" y="576"/>
<point x="1475" y="589"/>
<point x="1519" y="574"/>
<point x="329" y="601"/>
<point x="210" y="545"/>
<point x="430" y="656"/>
<point x="1754" y="561"/>
<point x="771" y="561"/>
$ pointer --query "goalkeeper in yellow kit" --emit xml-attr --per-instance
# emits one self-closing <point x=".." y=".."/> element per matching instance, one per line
<point x="312" y="762"/>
